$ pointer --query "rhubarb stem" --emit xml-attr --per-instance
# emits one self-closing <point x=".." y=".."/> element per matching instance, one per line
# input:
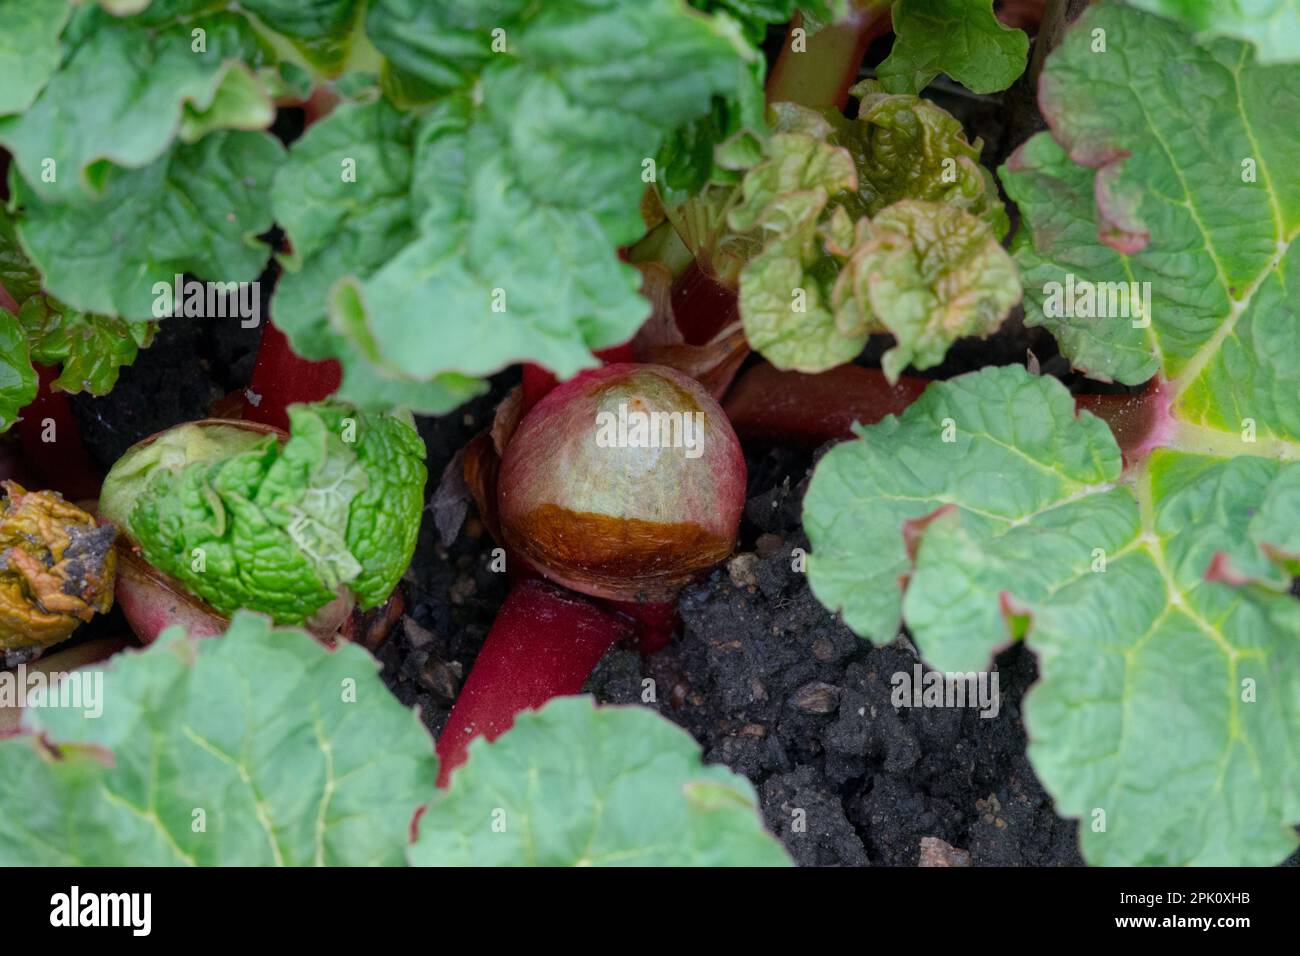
<point x="544" y="643"/>
<point x="52" y="442"/>
<point x="1140" y="423"/>
<point x="281" y="377"/>
<point x="819" y="71"/>
<point x="767" y="405"/>
<point x="537" y="381"/>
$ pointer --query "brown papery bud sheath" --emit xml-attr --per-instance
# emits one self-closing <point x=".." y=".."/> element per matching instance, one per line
<point x="626" y="482"/>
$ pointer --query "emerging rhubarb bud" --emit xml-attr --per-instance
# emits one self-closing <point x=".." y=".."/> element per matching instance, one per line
<point x="245" y="520"/>
<point x="57" y="567"/>
<point x="625" y="482"/>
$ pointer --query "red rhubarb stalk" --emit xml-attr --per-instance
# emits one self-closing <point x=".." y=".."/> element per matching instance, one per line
<point x="805" y="411"/>
<point x="703" y="306"/>
<point x="820" y="74"/>
<point x="590" y="515"/>
<point x="543" y="644"/>
<point x="56" y="455"/>
<point x="1140" y="422"/>
<point x="52" y="442"/>
<point x="282" y="377"/>
<point x="537" y="381"/>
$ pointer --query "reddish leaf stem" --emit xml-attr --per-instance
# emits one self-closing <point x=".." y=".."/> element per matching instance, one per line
<point x="771" y="406"/>
<point x="543" y="644"/>
<point x="282" y="377"/>
<point x="52" y="443"/>
<point x="1140" y="423"/>
<point x="820" y="75"/>
<point x="537" y="381"/>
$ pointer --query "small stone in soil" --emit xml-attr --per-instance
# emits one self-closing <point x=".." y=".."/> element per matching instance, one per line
<point x="743" y="568"/>
<point x="936" y="852"/>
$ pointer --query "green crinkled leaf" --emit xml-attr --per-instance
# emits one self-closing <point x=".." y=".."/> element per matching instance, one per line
<point x="961" y="38"/>
<point x="1273" y="26"/>
<point x="198" y="209"/>
<point x="124" y="93"/>
<point x="805" y="298"/>
<point x="576" y="785"/>
<point x="1152" y="601"/>
<point x="18" y="381"/>
<point x="905" y="147"/>
<point x="1187" y="186"/>
<point x="91" y="349"/>
<point x="17" y="274"/>
<point x="928" y="272"/>
<point x="29" y="48"/>
<point x="521" y="192"/>
<point x="255" y="749"/>
<point x="280" y="528"/>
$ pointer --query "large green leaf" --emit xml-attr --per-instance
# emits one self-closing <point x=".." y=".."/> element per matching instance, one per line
<point x="1157" y="598"/>
<point x="122" y="119"/>
<point x="1020" y="522"/>
<point x="1187" y="186"/>
<point x="961" y="38"/>
<point x="197" y="209"/>
<point x="345" y="198"/>
<point x="257" y="748"/>
<point x="123" y="93"/>
<point x="576" y="785"/>
<point x="522" y="183"/>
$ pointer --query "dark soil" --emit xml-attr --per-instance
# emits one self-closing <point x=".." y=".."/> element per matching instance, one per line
<point x="777" y="688"/>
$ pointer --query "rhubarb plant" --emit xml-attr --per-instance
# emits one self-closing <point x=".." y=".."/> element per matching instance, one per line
<point x="267" y="747"/>
<point x="128" y="131"/>
<point x="842" y="228"/>
<point x="1157" y="239"/>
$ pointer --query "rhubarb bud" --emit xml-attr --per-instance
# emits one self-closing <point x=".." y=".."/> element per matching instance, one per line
<point x="625" y="482"/>
<point x="245" y="520"/>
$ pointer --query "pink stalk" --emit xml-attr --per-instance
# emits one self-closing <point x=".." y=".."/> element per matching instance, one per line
<point x="1140" y="423"/>
<point x="820" y="75"/>
<point x="282" y="377"/>
<point x="544" y="643"/>
<point x="805" y="411"/>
